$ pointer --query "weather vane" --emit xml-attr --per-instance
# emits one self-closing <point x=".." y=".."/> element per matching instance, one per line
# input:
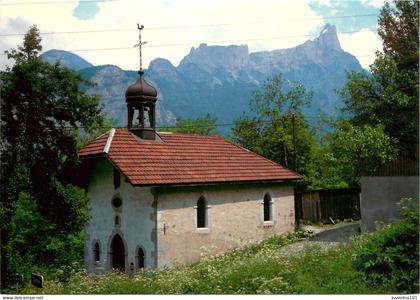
<point x="140" y="28"/>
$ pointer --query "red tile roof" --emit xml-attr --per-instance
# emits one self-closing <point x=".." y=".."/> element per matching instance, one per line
<point x="184" y="159"/>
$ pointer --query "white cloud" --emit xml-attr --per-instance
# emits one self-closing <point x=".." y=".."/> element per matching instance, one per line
<point x="324" y="2"/>
<point x="361" y="44"/>
<point x="246" y="20"/>
<point x="263" y="25"/>
<point x="373" y="3"/>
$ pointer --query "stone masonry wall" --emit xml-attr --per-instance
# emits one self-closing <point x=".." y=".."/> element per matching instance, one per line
<point x="235" y="218"/>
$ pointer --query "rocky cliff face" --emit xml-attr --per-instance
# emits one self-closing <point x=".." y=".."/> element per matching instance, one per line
<point x="220" y="79"/>
<point x="213" y="58"/>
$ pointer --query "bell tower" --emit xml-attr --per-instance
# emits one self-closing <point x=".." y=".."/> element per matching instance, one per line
<point x="141" y="100"/>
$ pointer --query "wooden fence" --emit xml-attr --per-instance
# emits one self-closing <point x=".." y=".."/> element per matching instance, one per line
<point x="402" y="166"/>
<point x="323" y="205"/>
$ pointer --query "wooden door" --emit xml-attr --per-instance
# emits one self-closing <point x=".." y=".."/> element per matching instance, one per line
<point x="117" y="253"/>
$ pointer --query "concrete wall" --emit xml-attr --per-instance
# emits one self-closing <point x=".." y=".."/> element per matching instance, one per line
<point x="235" y="218"/>
<point x="137" y="220"/>
<point x="380" y="195"/>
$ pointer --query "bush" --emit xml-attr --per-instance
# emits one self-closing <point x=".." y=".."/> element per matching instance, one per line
<point x="34" y="244"/>
<point x="390" y="256"/>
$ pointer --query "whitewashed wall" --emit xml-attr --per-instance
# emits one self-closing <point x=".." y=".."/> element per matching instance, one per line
<point x="137" y="219"/>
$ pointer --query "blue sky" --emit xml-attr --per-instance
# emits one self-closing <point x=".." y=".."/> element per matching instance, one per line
<point x="86" y="10"/>
<point x="347" y="8"/>
<point x="104" y="32"/>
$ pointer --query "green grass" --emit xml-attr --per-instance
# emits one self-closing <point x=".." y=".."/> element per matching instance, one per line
<point x="258" y="269"/>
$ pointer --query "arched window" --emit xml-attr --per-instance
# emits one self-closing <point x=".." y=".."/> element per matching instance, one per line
<point x="117" y="178"/>
<point x="268" y="214"/>
<point x="140" y="258"/>
<point x="201" y="213"/>
<point x="96" y="252"/>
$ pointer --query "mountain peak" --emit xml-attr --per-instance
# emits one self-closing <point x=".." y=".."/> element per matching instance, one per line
<point x="216" y="57"/>
<point x="67" y="59"/>
<point x="328" y="38"/>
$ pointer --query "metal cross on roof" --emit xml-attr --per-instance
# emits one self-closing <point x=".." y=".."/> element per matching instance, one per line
<point x="140" y="28"/>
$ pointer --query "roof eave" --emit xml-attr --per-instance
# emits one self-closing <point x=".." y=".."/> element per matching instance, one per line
<point x="157" y="189"/>
<point x="91" y="156"/>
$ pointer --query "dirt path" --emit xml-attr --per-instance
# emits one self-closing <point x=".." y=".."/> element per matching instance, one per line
<point x="324" y="237"/>
<point x="340" y="233"/>
<point x="295" y="248"/>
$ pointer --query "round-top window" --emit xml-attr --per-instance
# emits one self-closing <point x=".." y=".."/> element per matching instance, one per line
<point x="116" y="202"/>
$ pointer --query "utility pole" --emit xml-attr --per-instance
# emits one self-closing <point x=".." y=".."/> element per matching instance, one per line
<point x="294" y="142"/>
<point x="297" y="185"/>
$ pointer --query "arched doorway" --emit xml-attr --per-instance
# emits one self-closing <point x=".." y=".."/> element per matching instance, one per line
<point x="140" y="258"/>
<point x="117" y="253"/>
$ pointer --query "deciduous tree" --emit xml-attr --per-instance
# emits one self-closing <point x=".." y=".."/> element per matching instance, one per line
<point x="279" y="130"/>
<point x="42" y="109"/>
<point x="388" y="96"/>
<point x="205" y="125"/>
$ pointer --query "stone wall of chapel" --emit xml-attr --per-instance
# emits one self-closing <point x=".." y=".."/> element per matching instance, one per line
<point x="136" y="217"/>
<point x="235" y="218"/>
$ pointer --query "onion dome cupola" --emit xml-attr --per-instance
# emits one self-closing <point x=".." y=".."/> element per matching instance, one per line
<point x="141" y="90"/>
<point x="141" y="100"/>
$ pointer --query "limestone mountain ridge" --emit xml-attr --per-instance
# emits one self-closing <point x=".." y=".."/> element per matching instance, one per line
<point x="220" y="79"/>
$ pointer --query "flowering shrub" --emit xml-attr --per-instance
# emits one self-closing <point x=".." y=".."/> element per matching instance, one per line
<point x="263" y="268"/>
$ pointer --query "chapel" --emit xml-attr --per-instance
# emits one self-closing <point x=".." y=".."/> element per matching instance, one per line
<point x="160" y="198"/>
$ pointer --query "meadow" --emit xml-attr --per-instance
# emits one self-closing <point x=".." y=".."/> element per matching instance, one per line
<point x="382" y="262"/>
